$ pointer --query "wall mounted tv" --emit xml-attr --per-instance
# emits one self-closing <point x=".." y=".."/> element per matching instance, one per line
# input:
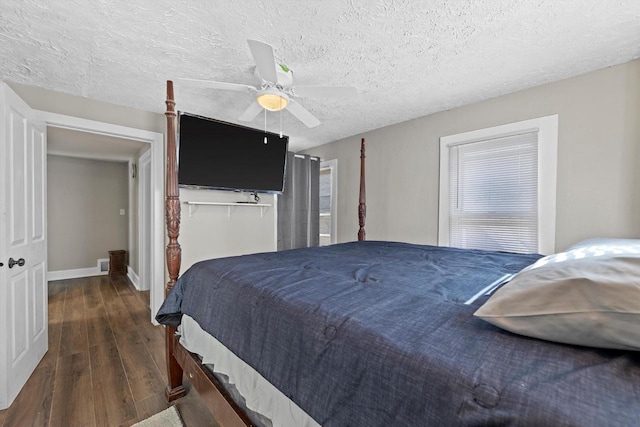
<point x="224" y="156"/>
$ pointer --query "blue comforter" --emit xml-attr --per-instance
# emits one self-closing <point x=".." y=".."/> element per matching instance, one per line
<point x="377" y="333"/>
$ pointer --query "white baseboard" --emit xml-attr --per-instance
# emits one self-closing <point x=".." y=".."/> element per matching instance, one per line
<point x="74" y="274"/>
<point x="133" y="277"/>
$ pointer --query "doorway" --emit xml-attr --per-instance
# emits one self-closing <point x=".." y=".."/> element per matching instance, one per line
<point x="154" y="238"/>
<point x="144" y="225"/>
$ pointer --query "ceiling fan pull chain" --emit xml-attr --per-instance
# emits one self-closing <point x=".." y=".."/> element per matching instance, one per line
<point x="265" y="125"/>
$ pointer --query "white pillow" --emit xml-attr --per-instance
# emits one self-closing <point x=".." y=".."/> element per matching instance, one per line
<point x="597" y="243"/>
<point x="589" y="295"/>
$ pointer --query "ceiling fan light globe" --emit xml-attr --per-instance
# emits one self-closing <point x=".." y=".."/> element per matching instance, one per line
<point x="272" y="101"/>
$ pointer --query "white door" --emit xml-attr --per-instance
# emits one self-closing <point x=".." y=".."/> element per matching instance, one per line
<point x="23" y="245"/>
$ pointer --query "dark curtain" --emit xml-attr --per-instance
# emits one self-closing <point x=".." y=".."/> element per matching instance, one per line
<point x="299" y="205"/>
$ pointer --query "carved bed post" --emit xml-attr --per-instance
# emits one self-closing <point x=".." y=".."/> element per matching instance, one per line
<point x="362" y="206"/>
<point x="175" y="389"/>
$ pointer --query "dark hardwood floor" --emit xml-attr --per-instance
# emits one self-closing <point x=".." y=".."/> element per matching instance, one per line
<point x="105" y="365"/>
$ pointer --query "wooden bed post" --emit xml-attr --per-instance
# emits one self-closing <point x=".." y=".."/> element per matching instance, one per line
<point x="175" y="389"/>
<point x="362" y="206"/>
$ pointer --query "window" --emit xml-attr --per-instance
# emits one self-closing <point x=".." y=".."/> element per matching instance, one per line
<point x="497" y="187"/>
<point x="328" y="180"/>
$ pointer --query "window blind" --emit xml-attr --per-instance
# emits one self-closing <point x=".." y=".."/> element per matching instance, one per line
<point x="493" y="194"/>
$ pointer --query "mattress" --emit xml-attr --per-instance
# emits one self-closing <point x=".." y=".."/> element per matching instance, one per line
<point x="258" y="394"/>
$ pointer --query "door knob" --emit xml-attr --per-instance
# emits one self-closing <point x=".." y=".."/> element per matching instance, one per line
<point x="13" y="262"/>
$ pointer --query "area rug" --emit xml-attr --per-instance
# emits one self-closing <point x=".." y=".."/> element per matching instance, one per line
<point x="167" y="418"/>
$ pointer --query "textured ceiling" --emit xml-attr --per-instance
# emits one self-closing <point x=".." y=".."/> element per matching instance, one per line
<point x="407" y="58"/>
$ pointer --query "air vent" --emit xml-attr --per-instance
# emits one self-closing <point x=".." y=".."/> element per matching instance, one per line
<point x="103" y="265"/>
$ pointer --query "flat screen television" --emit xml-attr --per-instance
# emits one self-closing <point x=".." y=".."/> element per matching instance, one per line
<point x="217" y="155"/>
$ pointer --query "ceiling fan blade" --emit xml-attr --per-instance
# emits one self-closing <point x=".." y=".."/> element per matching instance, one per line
<point x="263" y="56"/>
<point x="326" y="91"/>
<point x="302" y="114"/>
<point x="251" y="112"/>
<point x="219" y="85"/>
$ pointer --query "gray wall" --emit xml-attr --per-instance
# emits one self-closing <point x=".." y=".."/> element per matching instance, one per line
<point x="84" y="198"/>
<point x="598" y="187"/>
<point x="76" y="106"/>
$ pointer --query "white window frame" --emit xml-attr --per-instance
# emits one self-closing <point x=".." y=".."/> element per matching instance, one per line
<point x="333" y="165"/>
<point x="547" y="128"/>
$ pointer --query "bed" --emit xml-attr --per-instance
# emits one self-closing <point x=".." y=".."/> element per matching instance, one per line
<point x="384" y="333"/>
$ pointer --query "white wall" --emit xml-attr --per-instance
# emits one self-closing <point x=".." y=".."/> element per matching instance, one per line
<point x="211" y="233"/>
<point x="598" y="188"/>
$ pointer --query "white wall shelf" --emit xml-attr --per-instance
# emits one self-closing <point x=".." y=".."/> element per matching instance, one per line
<point x="193" y="206"/>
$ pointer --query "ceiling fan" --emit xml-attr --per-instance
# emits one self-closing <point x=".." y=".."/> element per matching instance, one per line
<point x="276" y="91"/>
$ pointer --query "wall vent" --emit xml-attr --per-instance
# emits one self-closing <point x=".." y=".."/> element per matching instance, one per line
<point x="103" y="265"/>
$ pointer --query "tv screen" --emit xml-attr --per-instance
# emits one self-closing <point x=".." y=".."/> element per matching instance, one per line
<point x="225" y="156"/>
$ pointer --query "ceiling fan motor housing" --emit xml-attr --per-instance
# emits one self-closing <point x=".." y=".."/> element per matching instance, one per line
<point x="285" y="78"/>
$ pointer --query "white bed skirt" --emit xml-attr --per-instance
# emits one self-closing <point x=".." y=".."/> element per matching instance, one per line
<point x="260" y="395"/>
